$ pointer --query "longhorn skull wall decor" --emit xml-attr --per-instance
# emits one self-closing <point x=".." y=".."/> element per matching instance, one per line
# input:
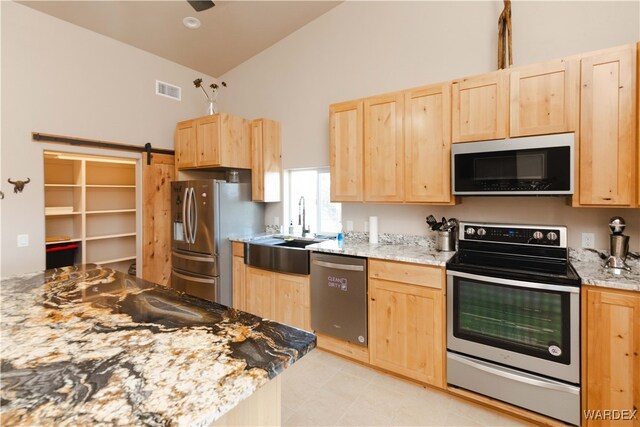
<point x="18" y="186"/>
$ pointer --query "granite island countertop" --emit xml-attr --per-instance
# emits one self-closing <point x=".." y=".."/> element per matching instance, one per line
<point x="87" y="345"/>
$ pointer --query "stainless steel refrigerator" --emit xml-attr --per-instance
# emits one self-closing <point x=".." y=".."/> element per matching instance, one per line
<point x="205" y="213"/>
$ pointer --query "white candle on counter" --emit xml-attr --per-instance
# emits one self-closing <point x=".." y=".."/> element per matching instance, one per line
<point x="373" y="229"/>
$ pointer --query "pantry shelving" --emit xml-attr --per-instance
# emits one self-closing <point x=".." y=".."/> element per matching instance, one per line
<point x="91" y="201"/>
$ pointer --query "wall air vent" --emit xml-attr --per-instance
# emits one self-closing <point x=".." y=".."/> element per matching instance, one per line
<point x="170" y="91"/>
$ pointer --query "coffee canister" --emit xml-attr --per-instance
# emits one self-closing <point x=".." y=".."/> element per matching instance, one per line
<point x="446" y="240"/>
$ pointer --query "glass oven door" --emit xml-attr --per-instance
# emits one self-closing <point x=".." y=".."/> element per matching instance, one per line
<point x="532" y="326"/>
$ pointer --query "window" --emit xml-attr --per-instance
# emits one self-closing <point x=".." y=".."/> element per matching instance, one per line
<point x="314" y="185"/>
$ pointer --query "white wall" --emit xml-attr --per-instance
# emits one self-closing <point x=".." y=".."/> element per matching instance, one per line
<point x="62" y="79"/>
<point x="361" y="49"/>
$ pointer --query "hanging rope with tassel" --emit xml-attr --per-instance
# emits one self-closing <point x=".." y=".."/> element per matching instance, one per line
<point x="504" y="36"/>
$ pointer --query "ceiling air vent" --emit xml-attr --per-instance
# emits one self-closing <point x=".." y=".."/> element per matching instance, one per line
<point x="170" y="91"/>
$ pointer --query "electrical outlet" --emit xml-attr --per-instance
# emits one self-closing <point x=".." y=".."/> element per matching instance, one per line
<point x="276" y="220"/>
<point x="588" y="240"/>
<point x="366" y="226"/>
<point x="23" y="240"/>
<point x="349" y="226"/>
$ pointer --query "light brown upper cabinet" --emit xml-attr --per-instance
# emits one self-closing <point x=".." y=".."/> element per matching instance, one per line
<point x="220" y="140"/>
<point x="266" y="163"/>
<point x="608" y="143"/>
<point x="480" y="107"/>
<point x="383" y="148"/>
<point x="345" y="151"/>
<point x="531" y="100"/>
<point x="427" y="144"/>
<point x="544" y="98"/>
<point x="185" y="144"/>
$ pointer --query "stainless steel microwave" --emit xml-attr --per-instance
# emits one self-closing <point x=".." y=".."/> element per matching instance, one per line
<point x="530" y="166"/>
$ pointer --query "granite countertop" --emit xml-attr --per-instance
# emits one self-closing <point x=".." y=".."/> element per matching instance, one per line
<point x="589" y="265"/>
<point x="87" y="345"/>
<point x="393" y="247"/>
<point x="406" y="252"/>
<point x="421" y="250"/>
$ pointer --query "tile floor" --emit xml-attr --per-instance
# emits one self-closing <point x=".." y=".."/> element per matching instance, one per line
<point x="326" y="390"/>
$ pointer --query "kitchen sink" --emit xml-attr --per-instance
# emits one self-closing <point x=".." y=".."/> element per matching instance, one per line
<point x="296" y="243"/>
<point x="279" y="254"/>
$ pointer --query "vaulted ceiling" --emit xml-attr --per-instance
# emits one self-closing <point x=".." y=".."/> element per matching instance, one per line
<point x="230" y="33"/>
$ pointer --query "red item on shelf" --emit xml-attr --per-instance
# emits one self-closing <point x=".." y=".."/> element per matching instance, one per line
<point x="63" y="247"/>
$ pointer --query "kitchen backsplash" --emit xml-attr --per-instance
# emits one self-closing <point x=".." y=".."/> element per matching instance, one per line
<point x="273" y="229"/>
<point x="391" y="239"/>
<point x="410" y="219"/>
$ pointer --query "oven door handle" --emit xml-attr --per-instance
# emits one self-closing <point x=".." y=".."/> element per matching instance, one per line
<point x="519" y="377"/>
<point x="517" y="283"/>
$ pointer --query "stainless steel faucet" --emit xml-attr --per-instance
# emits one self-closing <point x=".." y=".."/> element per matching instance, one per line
<point x="302" y="216"/>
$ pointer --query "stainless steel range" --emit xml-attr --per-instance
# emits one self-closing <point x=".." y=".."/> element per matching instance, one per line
<point x="513" y="317"/>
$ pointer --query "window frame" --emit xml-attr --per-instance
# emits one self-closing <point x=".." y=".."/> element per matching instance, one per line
<point x="289" y="204"/>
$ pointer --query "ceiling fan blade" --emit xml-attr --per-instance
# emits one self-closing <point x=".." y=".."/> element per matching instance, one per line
<point x="200" y="5"/>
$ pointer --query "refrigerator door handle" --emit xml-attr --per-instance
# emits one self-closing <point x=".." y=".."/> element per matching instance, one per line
<point x="208" y="259"/>
<point x="190" y="216"/>
<point x="194" y="278"/>
<point x="185" y="222"/>
<point x="194" y="206"/>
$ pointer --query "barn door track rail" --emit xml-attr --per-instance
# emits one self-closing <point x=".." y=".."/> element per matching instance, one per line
<point x="147" y="148"/>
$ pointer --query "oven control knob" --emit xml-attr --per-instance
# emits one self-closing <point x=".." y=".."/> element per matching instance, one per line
<point x="481" y="231"/>
<point x="538" y="235"/>
<point x="470" y="231"/>
<point x="552" y="236"/>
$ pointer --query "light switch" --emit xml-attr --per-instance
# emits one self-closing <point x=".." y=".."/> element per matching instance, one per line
<point x="23" y="240"/>
<point x="349" y="226"/>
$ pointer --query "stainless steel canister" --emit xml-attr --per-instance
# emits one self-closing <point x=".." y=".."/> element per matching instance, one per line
<point x="446" y="240"/>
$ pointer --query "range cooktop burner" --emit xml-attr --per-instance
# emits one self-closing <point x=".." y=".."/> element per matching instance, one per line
<point x="522" y="252"/>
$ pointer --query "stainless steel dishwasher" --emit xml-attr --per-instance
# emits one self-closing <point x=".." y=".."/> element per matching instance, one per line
<point x="339" y="296"/>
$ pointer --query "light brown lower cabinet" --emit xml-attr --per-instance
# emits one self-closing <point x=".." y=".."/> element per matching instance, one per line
<point x="611" y="357"/>
<point x="406" y="320"/>
<point x="260" y="292"/>
<point x="292" y="300"/>
<point x="277" y="296"/>
<point x="281" y="297"/>
<point x="238" y="271"/>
